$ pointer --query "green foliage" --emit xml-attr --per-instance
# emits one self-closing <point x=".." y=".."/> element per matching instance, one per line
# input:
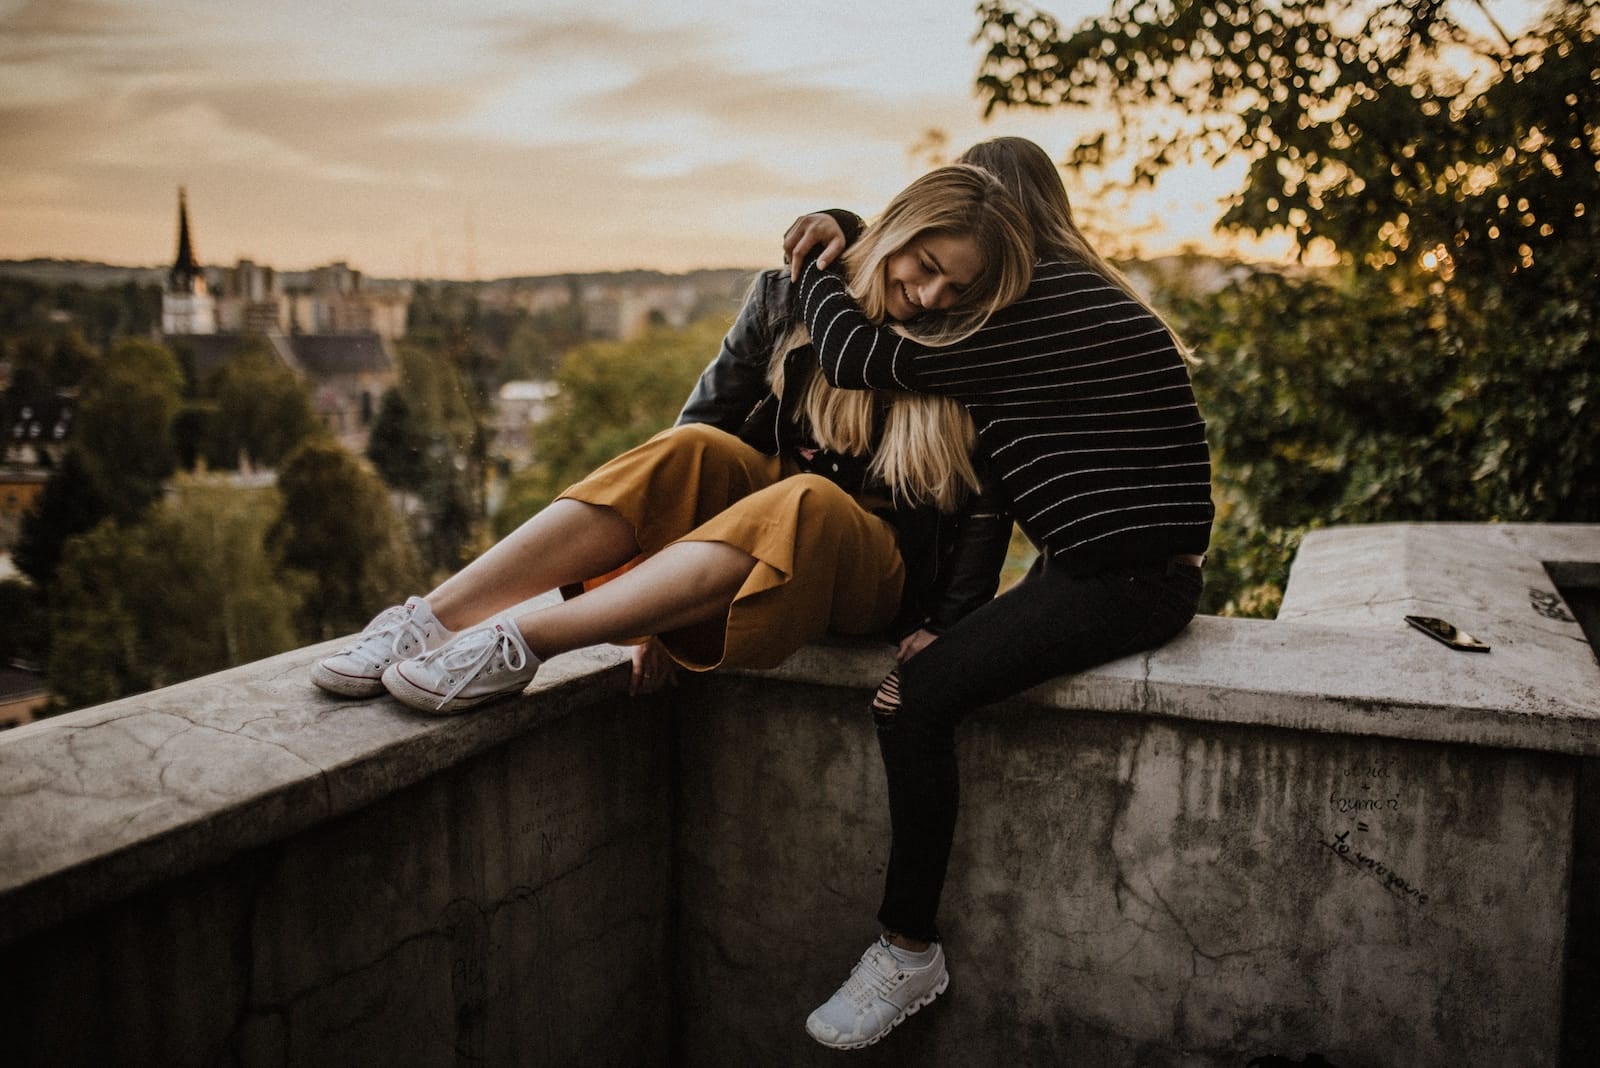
<point x="1450" y="370"/>
<point x="536" y="343"/>
<point x="1358" y="398"/>
<point x="69" y="505"/>
<point x="125" y="421"/>
<point x="398" y="444"/>
<point x="188" y="590"/>
<point x="433" y="442"/>
<point x="101" y="315"/>
<point x="613" y="396"/>
<point x="340" y="531"/>
<point x="24" y="627"/>
<point x="48" y="362"/>
<point x="493" y="345"/>
<point x="262" y="411"/>
<point x="1381" y="127"/>
<point x="435" y="388"/>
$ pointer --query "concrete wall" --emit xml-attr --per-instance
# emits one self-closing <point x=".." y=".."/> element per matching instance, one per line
<point x="636" y="882"/>
<point x="1132" y="892"/>
<point x="510" y="910"/>
<point x="1265" y="838"/>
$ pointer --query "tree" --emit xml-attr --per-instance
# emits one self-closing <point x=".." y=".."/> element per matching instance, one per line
<point x="24" y="628"/>
<point x="125" y="422"/>
<point x="339" y="530"/>
<point x="69" y="505"/>
<point x="1450" y="369"/>
<point x="48" y="361"/>
<point x="263" y="410"/>
<point x="441" y="444"/>
<point x="1383" y="127"/>
<point x="191" y="588"/>
<point x="613" y="395"/>
<point x="537" y="342"/>
<point x="398" y="444"/>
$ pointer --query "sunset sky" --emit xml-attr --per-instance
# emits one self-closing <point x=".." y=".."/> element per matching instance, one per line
<point x="486" y="138"/>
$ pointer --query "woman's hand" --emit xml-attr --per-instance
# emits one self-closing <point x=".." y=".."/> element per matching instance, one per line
<point x="653" y="669"/>
<point x="805" y="234"/>
<point x="914" y="643"/>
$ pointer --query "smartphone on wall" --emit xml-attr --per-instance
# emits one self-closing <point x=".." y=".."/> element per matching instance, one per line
<point x="1448" y="633"/>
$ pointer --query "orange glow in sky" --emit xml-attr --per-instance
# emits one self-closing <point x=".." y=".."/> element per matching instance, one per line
<point x="486" y="138"/>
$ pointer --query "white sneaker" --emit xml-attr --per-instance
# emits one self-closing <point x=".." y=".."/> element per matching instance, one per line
<point x="880" y="993"/>
<point x="395" y="634"/>
<point x="475" y="666"/>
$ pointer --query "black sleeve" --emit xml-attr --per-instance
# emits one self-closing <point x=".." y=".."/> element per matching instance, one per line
<point x="851" y="223"/>
<point x="735" y="381"/>
<point x="969" y="574"/>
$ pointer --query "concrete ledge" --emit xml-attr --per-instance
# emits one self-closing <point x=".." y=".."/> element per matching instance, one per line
<point x="102" y="802"/>
<point x="1345" y="680"/>
<point x="1325" y="829"/>
<point x="105" y="801"/>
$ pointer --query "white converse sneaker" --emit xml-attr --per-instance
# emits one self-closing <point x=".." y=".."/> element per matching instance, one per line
<point x="395" y="634"/>
<point x="880" y="993"/>
<point x="475" y="666"/>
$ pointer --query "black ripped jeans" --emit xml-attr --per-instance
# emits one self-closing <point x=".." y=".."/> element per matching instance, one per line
<point x="1051" y="623"/>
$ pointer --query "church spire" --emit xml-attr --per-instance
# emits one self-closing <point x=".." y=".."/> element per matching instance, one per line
<point x="186" y="270"/>
<point x="186" y="307"/>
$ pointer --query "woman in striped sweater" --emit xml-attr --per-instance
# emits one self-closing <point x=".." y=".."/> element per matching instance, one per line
<point x="1085" y="414"/>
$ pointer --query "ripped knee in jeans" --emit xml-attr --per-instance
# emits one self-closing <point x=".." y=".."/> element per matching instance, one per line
<point x="886" y="702"/>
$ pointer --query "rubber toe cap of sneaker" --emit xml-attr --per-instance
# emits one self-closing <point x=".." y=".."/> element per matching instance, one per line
<point x="824" y="1032"/>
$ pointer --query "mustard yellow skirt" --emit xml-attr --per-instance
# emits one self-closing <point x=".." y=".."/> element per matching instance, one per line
<point x="823" y="562"/>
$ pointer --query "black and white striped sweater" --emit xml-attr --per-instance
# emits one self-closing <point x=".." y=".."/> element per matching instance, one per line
<point x="1083" y="407"/>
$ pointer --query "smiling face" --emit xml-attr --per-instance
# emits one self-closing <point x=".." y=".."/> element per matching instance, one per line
<point x="931" y="273"/>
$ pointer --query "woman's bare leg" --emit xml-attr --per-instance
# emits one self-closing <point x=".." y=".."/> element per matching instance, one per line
<point x="687" y="582"/>
<point x="566" y="542"/>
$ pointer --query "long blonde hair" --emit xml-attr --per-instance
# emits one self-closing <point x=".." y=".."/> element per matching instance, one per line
<point x="924" y="451"/>
<point x="1032" y="178"/>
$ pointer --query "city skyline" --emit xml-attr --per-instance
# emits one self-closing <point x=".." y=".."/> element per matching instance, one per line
<point x="489" y="138"/>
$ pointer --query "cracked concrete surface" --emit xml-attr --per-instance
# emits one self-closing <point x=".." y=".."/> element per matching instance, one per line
<point x="1321" y="833"/>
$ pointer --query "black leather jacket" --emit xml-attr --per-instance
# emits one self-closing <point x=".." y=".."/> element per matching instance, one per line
<point x="952" y="560"/>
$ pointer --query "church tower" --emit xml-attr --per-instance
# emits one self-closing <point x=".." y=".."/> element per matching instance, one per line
<point x="186" y="306"/>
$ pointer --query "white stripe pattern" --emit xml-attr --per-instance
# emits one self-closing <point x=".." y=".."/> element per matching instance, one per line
<point x="1082" y="403"/>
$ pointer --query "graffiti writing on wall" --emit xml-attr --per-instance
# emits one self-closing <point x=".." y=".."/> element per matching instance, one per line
<point x="1369" y="777"/>
<point x="1374" y="868"/>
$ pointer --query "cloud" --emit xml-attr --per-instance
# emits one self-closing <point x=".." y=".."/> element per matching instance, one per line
<point x="644" y="73"/>
<point x="502" y="144"/>
<point x="759" y="103"/>
<point x="525" y="38"/>
<point x="36" y="22"/>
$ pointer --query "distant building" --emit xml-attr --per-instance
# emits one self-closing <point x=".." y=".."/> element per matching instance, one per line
<point x="519" y="406"/>
<point x="347" y="373"/>
<point x="621" y="312"/>
<point x="36" y="429"/>
<point x="351" y="372"/>
<point x="621" y="305"/>
<point x="321" y="324"/>
<point x="186" y="305"/>
<point x="336" y="302"/>
<point x="249" y="302"/>
<point x="34" y="433"/>
<point x="23" y="691"/>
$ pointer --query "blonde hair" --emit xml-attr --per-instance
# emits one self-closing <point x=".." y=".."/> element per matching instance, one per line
<point x="924" y="451"/>
<point x="1032" y="178"/>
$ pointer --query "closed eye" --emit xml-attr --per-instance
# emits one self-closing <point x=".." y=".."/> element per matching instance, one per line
<point x="933" y="266"/>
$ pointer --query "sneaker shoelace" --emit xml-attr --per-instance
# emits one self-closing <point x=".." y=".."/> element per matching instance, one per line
<point x="474" y="651"/>
<point x="876" y="975"/>
<point x="397" y="623"/>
